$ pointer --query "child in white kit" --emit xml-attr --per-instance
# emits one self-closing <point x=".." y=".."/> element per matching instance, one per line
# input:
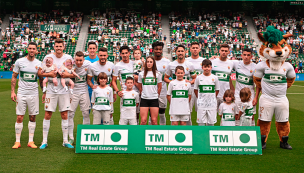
<point x="102" y="99"/>
<point x="246" y="108"/>
<point x="138" y="62"/>
<point x="206" y="89"/>
<point x="228" y="109"/>
<point x="47" y="68"/>
<point x="68" y="67"/>
<point x="179" y="97"/>
<point x="128" y="103"/>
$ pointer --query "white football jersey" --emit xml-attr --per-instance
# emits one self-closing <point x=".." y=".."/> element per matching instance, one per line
<point x="149" y="84"/>
<point x="102" y="98"/>
<point x="96" y="68"/>
<point x="197" y="64"/>
<point x="81" y="83"/>
<point x="188" y="66"/>
<point x="128" y="104"/>
<point x="161" y="66"/>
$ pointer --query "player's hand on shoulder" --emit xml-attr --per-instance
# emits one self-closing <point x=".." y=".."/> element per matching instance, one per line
<point x="120" y="93"/>
<point x="94" y="87"/>
<point x="213" y="57"/>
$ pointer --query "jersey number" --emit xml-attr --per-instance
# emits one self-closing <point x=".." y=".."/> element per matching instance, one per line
<point x="47" y="100"/>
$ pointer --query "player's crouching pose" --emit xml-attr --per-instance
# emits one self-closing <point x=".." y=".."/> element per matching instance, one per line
<point x="80" y="95"/>
<point x="179" y="97"/>
<point x="128" y="103"/>
<point x="102" y="99"/>
<point x="27" y="95"/>
<point x="206" y="89"/>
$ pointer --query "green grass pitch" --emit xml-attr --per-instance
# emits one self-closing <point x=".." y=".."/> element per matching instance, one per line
<point x="56" y="158"/>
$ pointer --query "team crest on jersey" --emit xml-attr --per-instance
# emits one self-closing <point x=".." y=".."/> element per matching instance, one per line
<point x="187" y="69"/>
<point x="109" y="69"/>
<point x="108" y="93"/>
<point x="250" y="71"/>
<point x="201" y="64"/>
<point x="212" y="80"/>
<point x="232" y="108"/>
<point x="164" y="66"/>
<point x="132" y="95"/>
<point x="185" y="84"/>
<point x="284" y="69"/>
<point x="85" y="69"/>
<point x="229" y="67"/>
<point x="36" y="67"/>
<point x="46" y="106"/>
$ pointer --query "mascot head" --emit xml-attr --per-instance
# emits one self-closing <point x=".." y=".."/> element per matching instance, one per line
<point x="275" y="48"/>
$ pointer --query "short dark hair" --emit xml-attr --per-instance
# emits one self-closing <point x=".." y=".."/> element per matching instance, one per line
<point x="102" y="75"/>
<point x="102" y="49"/>
<point x="247" y="50"/>
<point x="179" y="68"/>
<point x="157" y="43"/>
<point x="224" y="46"/>
<point x="92" y="42"/>
<point x="194" y="43"/>
<point x="206" y="62"/>
<point x="79" y="54"/>
<point x="123" y="48"/>
<point x="59" y="40"/>
<point x="129" y="78"/>
<point x="33" y="43"/>
<point x="182" y="46"/>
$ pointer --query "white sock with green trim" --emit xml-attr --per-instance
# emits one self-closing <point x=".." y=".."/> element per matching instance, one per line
<point x="18" y="130"/>
<point x="31" y="127"/>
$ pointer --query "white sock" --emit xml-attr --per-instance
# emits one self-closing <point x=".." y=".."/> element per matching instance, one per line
<point x="71" y="91"/>
<point x="150" y="121"/>
<point x="31" y="127"/>
<point x="71" y="124"/>
<point x="86" y="117"/>
<point x="111" y="121"/>
<point x="55" y="88"/>
<point x="237" y="122"/>
<point x="210" y="124"/>
<point x="162" y="119"/>
<point x="201" y="124"/>
<point x="66" y="88"/>
<point x="44" y="89"/>
<point x="18" y="130"/>
<point x="64" y="126"/>
<point x="46" y="128"/>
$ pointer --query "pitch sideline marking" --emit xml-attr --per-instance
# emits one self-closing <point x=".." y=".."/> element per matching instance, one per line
<point x="298" y="85"/>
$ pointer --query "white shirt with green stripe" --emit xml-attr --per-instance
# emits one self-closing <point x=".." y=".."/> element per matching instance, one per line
<point x="96" y="68"/>
<point x="179" y="92"/>
<point x="206" y="86"/>
<point x="149" y="84"/>
<point x="161" y="66"/>
<point x="102" y="98"/>
<point x="188" y="66"/>
<point x="128" y="104"/>
<point x="274" y="83"/>
<point x="228" y="113"/>
<point x="27" y="70"/>
<point x="197" y="63"/>
<point x="122" y="71"/>
<point x="244" y="77"/>
<point x="222" y="69"/>
<point x="247" y="109"/>
<point x="81" y="83"/>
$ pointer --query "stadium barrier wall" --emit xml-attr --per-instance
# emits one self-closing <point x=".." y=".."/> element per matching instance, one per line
<point x="169" y="139"/>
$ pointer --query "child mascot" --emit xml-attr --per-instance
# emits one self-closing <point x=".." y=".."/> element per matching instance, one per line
<point x="273" y="77"/>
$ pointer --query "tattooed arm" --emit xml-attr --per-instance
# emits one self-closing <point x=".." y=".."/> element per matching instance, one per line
<point x="13" y="84"/>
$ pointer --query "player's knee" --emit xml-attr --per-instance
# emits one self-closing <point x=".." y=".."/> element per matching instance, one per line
<point x="32" y="118"/>
<point x="64" y="115"/>
<point x="19" y="118"/>
<point x="47" y="115"/>
<point x="162" y="110"/>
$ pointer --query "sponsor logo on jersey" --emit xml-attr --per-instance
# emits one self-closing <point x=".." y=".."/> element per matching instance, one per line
<point x="180" y="93"/>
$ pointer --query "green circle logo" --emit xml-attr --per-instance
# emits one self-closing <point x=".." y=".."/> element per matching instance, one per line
<point x="115" y="137"/>
<point x="180" y="137"/>
<point x="244" y="138"/>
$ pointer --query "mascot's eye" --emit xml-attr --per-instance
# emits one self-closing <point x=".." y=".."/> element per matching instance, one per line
<point x="283" y="45"/>
<point x="270" y="45"/>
